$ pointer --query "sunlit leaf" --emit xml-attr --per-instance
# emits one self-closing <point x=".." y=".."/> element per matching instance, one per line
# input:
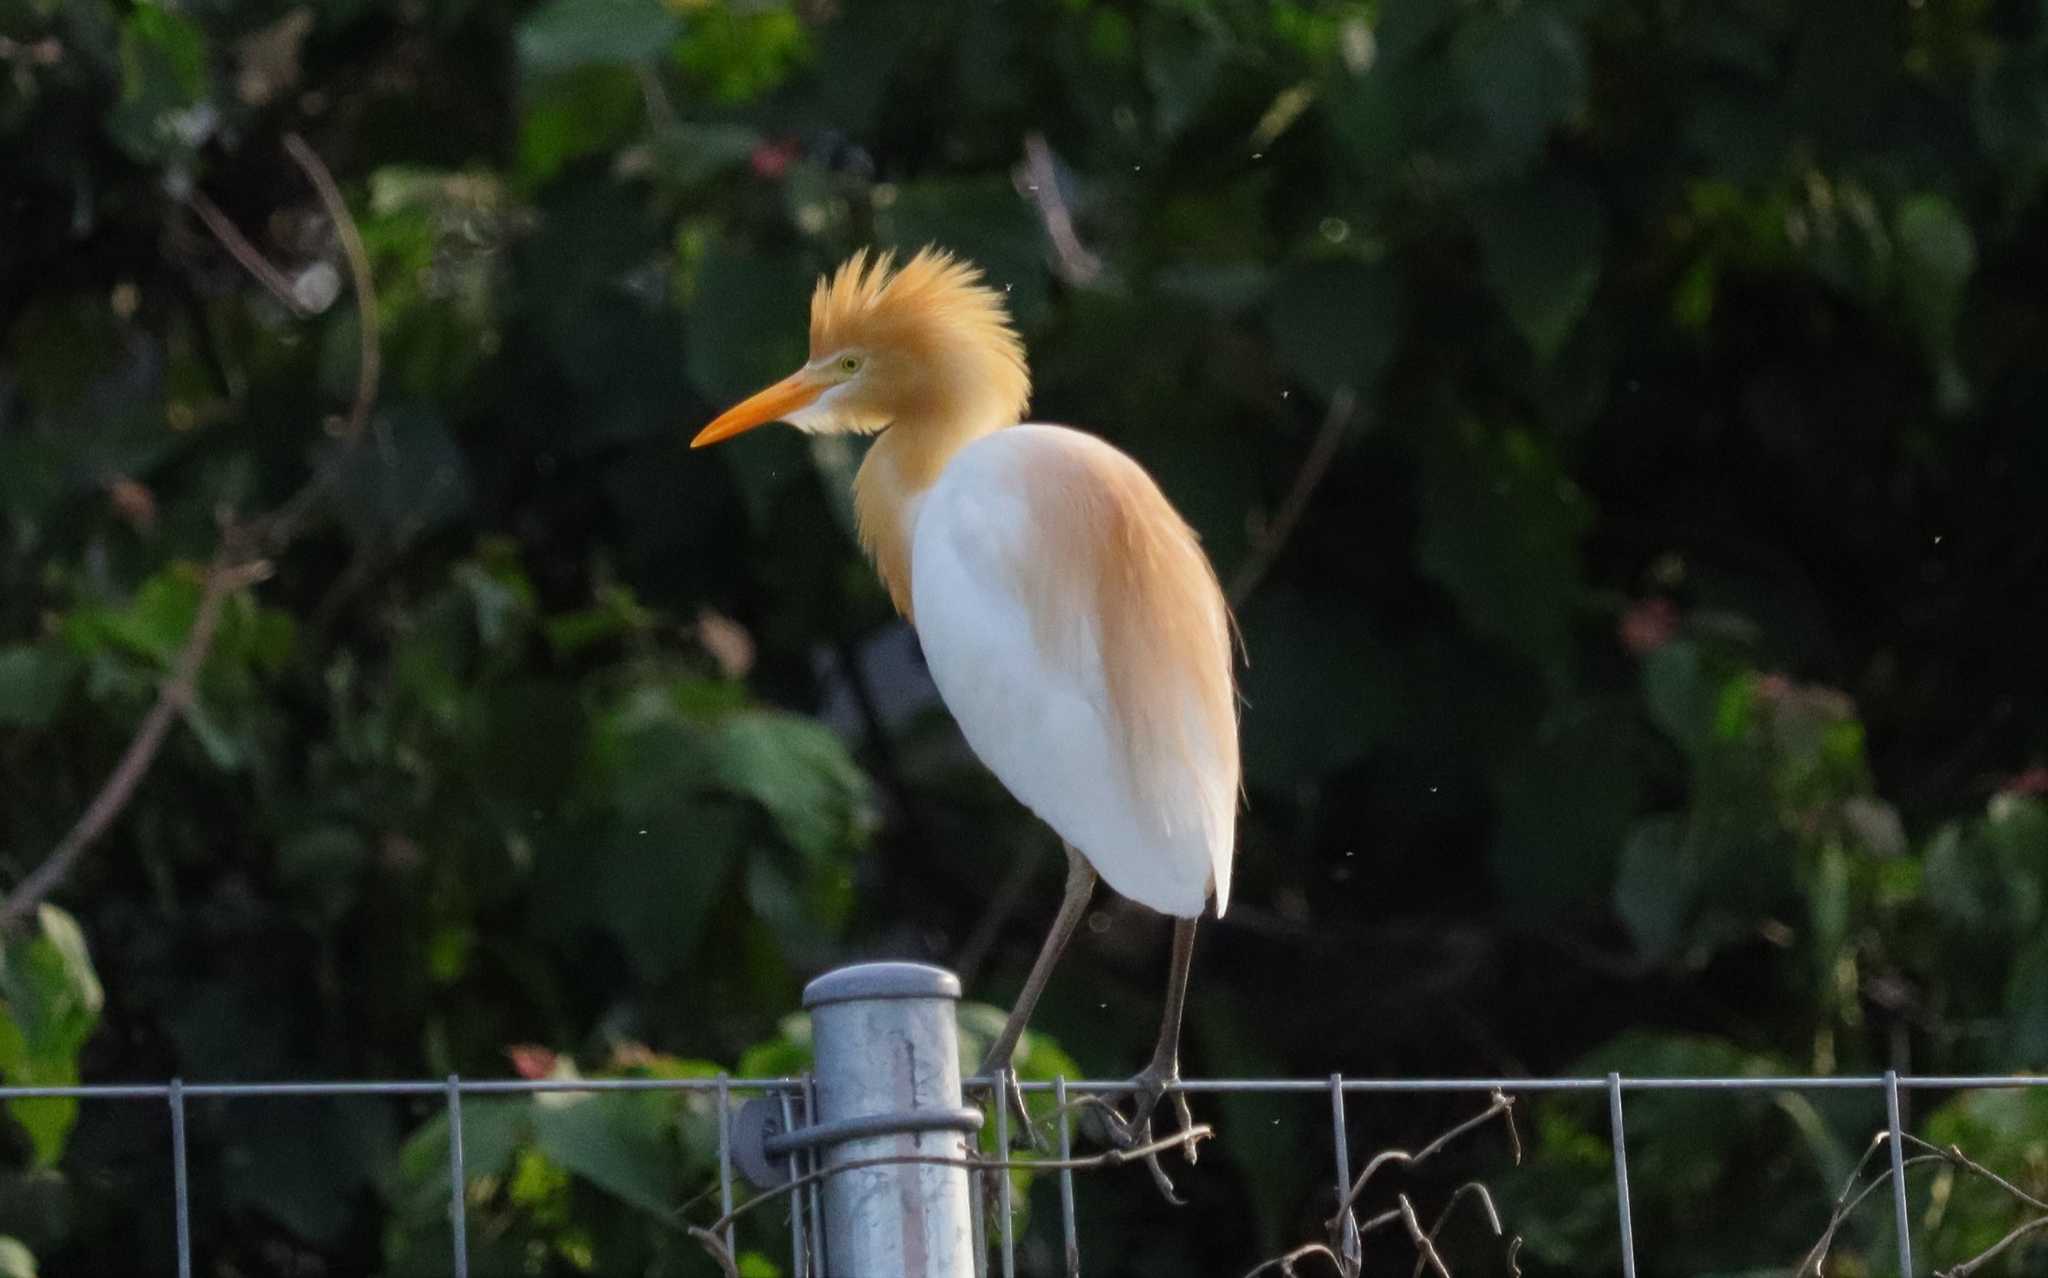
<point x="50" y="1001"/>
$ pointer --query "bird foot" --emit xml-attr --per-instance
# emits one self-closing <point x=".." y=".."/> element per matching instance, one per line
<point x="1026" y="1134"/>
<point x="1148" y="1087"/>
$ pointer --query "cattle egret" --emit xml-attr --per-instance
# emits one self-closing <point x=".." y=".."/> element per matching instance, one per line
<point x="1071" y="622"/>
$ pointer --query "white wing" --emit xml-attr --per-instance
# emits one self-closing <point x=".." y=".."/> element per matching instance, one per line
<point x="1078" y="636"/>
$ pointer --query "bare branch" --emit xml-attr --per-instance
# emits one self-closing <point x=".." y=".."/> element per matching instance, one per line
<point x="1502" y="1104"/>
<point x="1285" y="1264"/>
<point x="1271" y="539"/>
<point x="1039" y="177"/>
<point x="1470" y="1189"/>
<point x="1422" y="1241"/>
<point x="1342" y="1250"/>
<point x="1853" y="1196"/>
<point x="1964" y="1162"/>
<point x="226" y="575"/>
<point x="243" y="556"/>
<point x="239" y="248"/>
<point x="370" y="367"/>
<point x="1984" y="1258"/>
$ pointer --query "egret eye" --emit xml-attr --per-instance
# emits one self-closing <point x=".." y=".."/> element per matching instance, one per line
<point x="849" y="364"/>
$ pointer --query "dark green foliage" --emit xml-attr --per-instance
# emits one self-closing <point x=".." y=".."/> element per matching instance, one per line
<point x="1653" y="682"/>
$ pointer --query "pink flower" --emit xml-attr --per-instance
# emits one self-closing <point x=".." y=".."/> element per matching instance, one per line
<point x="1649" y="625"/>
<point x="531" y="1061"/>
<point x="771" y="160"/>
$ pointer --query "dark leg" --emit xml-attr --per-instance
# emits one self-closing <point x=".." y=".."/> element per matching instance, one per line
<point x="1149" y="1085"/>
<point x="1080" y="886"/>
<point x="1166" y="1053"/>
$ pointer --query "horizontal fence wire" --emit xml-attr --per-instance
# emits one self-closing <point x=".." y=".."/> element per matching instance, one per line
<point x="982" y="1083"/>
<point x="797" y="1094"/>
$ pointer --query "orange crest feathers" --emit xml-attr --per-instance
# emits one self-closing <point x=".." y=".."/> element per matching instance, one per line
<point x="934" y="306"/>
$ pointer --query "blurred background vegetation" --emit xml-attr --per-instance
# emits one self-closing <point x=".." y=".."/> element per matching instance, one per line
<point x="1622" y="420"/>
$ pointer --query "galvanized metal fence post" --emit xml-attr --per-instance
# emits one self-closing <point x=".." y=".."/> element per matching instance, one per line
<point x="888" y="1062"/>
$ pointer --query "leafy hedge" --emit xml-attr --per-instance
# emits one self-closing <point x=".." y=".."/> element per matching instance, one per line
<point x="1644" y="673"/>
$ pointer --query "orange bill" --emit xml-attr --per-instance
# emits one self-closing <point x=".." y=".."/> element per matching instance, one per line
<point x="771" y="405"/>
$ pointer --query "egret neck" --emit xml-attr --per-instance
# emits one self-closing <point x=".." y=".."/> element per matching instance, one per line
<point x="905" y="461"/>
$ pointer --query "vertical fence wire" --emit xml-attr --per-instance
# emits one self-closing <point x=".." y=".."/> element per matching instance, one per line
<point x="816" y="1159"/>
<point x="181" y="1191"/>
<point x="799" y="1251"/>
<point x="458" y="1180"/>
<point x="725" y="1157"/>
<point x="1618" y="1134"/>
<point x="1071" y="1254"/>
<point x="1005" y="1226"/>
<point x="1340" y="1144"/>
<point x="1899" y="1210"/>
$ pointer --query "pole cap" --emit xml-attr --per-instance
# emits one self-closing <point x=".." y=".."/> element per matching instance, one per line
<point x="862" y="981"/>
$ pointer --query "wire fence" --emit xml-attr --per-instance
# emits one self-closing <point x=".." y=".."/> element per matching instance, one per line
<point x="797" y="1098"/>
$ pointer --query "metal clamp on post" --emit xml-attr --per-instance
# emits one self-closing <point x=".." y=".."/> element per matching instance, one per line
<point x="761" y="1148"/>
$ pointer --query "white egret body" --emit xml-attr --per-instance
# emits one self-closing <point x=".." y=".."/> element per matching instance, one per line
<point x="1071" y="622"/>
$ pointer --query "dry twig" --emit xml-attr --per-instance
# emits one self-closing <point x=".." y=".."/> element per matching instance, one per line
<point x="1342" y="1250"/>
<point x="1271" y="538"/>
<point x="709" y="1235"/>
<point x="1853" y="1195"/>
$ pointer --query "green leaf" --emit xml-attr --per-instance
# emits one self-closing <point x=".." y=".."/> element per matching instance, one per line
<point x="801" y="772"/>
<point x="413" y="481"/>
<point x="747" y="321"/>
<point x="1406" y="27"/>
<point x="572" y="33"/>
<point x="615" y="1141"/>
<point x="34" y="679"/>
<point x="2026" y="1003"/>
<point x="163" y="113"/>
<point x="1655" y="890"/>
<point x="1335" y="323"/>
<point x="1544" y="242"/>
<point x="50" y="1001"/>
<point x="755" y="1265"/>
<point x="1183" y="61"/>
<point x="737" y="53"/>
<point x="307" y="1159"/>
<point x="1501" y="529"/>
<point x="688" y="156"/>
<point x="650" y="877"/>
<point x="1526" y="74"/>
<point x="587" y="111"/>
<point x="154" y="625"/>
<point x="1566" y="806"/>
<point x="493" y="1129"/>
<point x="1681" y="696"/>
<point x="1937" y="254"/>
